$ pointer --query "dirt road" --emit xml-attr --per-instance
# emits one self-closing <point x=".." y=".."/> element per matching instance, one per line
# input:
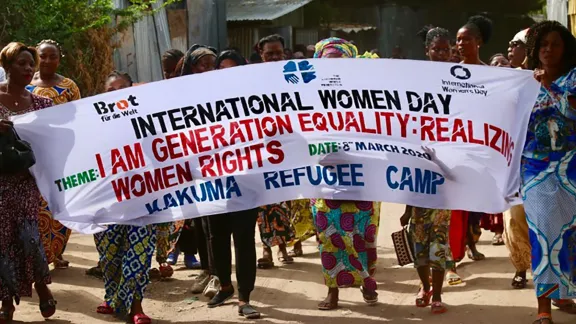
<point x="289" y="294"/>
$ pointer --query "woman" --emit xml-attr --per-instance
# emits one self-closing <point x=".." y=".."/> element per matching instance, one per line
<point x="548" y="180"/>
<point x="47" y="83"/>
<point x="347" y="229"/>
<point x="167" y="234"/>
<point x="499" y="60"/>
<point x="125" y="253"/>
<point x="22" y="256"/>
<point x="170" y="60"/>
<point x="469" y="39"/>
<point x="302" y="223"/>
<point x="195" y="235"/>
<point x="242" y="226"/>
<point x="437" y="43"/>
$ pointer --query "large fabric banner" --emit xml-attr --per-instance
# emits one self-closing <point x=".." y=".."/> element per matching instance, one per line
<point x="346" y="129"/>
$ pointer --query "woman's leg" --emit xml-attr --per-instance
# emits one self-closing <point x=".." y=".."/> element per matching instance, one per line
<point x="331" y="300"/>
<point x="517" y="241"/>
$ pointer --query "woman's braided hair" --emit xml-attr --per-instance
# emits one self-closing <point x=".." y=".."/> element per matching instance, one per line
<point x="429" y="33"/>
<point x="53" y="43"/>
<point x="481" y="26"/>
<point x="534" y="38"/>
<point x="121" y="75"/>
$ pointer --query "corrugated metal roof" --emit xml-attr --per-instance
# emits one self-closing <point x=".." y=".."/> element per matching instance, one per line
<point x="238" y="10"/>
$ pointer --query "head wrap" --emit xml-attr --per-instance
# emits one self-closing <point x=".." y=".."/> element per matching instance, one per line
<point x="521" y="36"/>
<point x="194" y="54"/>
<point x="335" y="45"/>
<point x="369" y="55"/>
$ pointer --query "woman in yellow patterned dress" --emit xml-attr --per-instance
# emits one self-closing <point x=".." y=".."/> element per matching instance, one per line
<point x="303" y="224"/>
<point x="47" y="83"/>
<point x="347" y="230"/>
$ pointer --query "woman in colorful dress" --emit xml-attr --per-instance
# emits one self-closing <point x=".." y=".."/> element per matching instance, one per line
<point x="275" y="230"/>
<point x="167" y="234"/>
<point x="48" y="83"/>
<point x="548" y="164"/>
<point x="347" y="230"/>
<point x="22" y="257"/>
<point x="125" y="254"/>
<point x="438" y="46"/>
<point x="303" y="224"/>
<point x="469" y="39"/>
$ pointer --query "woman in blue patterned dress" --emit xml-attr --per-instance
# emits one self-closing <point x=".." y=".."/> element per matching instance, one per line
<point x="548" y="168"/>
<point x="125" y="254"/>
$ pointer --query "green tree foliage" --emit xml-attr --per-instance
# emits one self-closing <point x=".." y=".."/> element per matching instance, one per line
<point x="84" y="28"/>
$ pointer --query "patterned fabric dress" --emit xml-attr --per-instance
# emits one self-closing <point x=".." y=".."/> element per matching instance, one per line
<point x="549" y="189"/>
<point x="125" y="257"/>
<point x="429" y="229"/>
<point x="516" y="237"/>
<point x="167" y="235"/>
<point x="22" y="257"/>
<point x="347" y="233"/>
<point x="53" y="234"/>
<point x="301" y="220"/>
<point x="274" y="224"/>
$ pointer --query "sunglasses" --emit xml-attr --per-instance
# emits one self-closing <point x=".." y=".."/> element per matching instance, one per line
<point x="516" y="43"/>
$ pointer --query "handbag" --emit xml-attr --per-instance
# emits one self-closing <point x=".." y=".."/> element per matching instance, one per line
<point x="16" y="155"/>
<point x="403" y="246"/>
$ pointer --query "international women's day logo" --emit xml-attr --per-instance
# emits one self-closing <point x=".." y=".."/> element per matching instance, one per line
<point x="294" y="72"/>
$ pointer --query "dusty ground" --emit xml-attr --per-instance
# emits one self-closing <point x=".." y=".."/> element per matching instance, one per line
<point x="289" y="294"/>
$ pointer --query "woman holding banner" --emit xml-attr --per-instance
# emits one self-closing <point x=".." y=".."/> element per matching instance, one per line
<point x="125" y="254"/>
<point x="437" y="43"/>
<point x="347" y="229"/>
<point x="47" y="83"/>
<point x="547" y="170"/>
<point x="22" y="256"/>
<point x="473" y="35"/>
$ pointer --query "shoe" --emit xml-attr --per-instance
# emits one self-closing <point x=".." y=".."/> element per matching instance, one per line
<point x="191" y="262"/>
<point x="201" y="283"/>
<point x="220" y="298"/>
<point x="213" y="287"/>
<point x="173" y="257"/>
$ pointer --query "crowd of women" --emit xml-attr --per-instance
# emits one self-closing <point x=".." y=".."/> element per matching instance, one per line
<point x="541" y="231"/>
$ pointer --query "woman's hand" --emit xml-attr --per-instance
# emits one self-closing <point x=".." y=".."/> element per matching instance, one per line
<point x="541" y="76"/>
<point x="405" y="219"/>
<point x="430" y="151"/>
<point x="5" y="126"/>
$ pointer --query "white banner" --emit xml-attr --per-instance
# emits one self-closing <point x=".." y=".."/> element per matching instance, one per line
<point x="248" y="136"/>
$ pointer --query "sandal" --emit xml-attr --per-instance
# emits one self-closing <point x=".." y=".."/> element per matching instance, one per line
<point x="95" y="272"/>
<point x="519" y="281"/>
<point x="61" y="264"/>
<point x="265" y="263"/>
<point x="48" y="307"/>
<point x="105" y="309"/>
<point x="475" y="256"/>
<point x="497" y="240"/>
<point x="166" y="271"/>
<point x="453" y="278"/>
<point x="285" y="260"/>
<point x="154" y="274"/>
<point x="248" y="312"/>
<point x="544" y="318"/>
<point x="6" y="316"/>
<point x="423" y="298"/>
<point x="438" y="308"/>
<point x="295" y="253"/>
<point x="565" y="305"/>
<point x="370" y="297"/>
<point x="327" y="306"/>
<point x="141" y="319"/>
